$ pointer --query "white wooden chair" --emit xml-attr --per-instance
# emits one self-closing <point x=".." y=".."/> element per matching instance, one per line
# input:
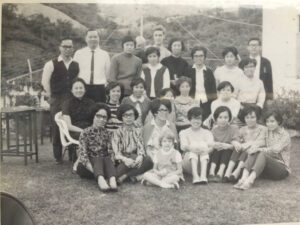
<point x="65" y="137"/>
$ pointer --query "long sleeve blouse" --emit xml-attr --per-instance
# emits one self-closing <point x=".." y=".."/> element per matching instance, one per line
<point x="94" y="142"/>
<point x="126" y="142"/>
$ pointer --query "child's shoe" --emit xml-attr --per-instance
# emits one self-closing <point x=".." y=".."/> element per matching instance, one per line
<point x="113" y="184"/>
<point x="246" y="185"/>
<point x="225" y="180"/>
<point x="196" y="180"/>
<point x="239" y="184"/>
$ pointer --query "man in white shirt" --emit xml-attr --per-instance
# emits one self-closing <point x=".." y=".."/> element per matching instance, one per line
<point x="56" y="79"/>
<point x="94" y="65"/>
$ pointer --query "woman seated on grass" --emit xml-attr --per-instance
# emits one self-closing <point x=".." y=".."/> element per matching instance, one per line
<point x="95" y="151"/>
<point x="128" y="146"/>
<point x="183" y="103"/>
<point x="167" y="169"/>
<point x="114" y="91"/>
<point x="271" y="161"/>
<point x="158" y="125"/>
<point x="225" y="98"/>
<point x="226" y="136"/>
<point x="252" y="136"/>
<point x="197" y="142"/>
<point x="155" y="74"/>
<point x="138" y="100"/>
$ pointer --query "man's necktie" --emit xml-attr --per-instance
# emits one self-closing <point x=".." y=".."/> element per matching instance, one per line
<point x="92" y="68"/>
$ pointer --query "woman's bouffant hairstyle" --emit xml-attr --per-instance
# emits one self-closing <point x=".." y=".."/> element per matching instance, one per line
<point x="198" y="48"/>
<point x="124" y="108"/>
<point x="137" y="81"/>
<point x="183" y="79"/>
<point x="151" y="50"/>
<point x="99" y="106"/>
<point x="156" y="103"/>
<point x="194" y="112"/>
<point x="224" y="84"/>
<point x="112" y="85"/>
<point x="248" y="109"/>
<point x="221" y="109"/>
<point x="78" y="79"/>
<point x="175" y="40"/>
<point x="277" y="115"/>
<point x="231" y="49"/>
<point x="246" y="62"/>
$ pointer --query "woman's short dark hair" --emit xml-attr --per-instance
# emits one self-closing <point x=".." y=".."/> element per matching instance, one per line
<point x="124" y="108"/>
<point x="231" y="49"/>
<point x="175" y="40"/>
<point x="112" y="85"/>
<point x="78" y="79"/>
<point x="198" y="48"/>
<point x="128" y="39"/>
<point x="164" y="91"/>
<point x="137" y="81"/>
<point x="221" y="109"/>
<point x="151" y="50"/>
<point x="246" y="62"/>
<point x="194" y="112"/>
<point x="183" y="79"/>
<point x="98" y="106"/>
<point x="224" y="84"/>
<point x="248" y="109"/>
<point x="156" y="103"/>
<point x="277" y="115"/>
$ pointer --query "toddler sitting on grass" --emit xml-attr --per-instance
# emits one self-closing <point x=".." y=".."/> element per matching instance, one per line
<point x="167" y="169"/>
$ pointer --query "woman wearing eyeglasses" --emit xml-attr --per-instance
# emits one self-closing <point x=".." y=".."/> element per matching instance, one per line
<point x="128" y="146"/>
<point x="160" y="109"/>
<point x="95" y="151"/>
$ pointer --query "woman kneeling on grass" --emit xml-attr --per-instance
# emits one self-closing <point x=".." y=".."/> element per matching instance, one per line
<point x="167" y="170"/>
<point x="95" y="151"/>
<point x="128" y="146"/>
<point x="197" y="142"/>
<point x="252" y="136"/>
<point x="271" y="161"/>
<point x="226" y="137"/>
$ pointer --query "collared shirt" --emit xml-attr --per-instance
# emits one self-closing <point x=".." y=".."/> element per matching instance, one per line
<point x="101" y="65"/>
<point x="257" y="68"/>
<point x="200" y="89"/>
<point x="138" y="107"/>
<point x="48" y="70"/>
<point x="153" y="70"/>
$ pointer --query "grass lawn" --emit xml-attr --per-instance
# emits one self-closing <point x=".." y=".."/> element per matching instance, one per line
<point x="56" y="196"/>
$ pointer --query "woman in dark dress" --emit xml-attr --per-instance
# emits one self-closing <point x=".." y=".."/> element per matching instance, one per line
<point x="175" y="63"/>
<point x="77" y="110"/>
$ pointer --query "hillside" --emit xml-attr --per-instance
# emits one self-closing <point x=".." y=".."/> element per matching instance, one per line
<point x="26" y="34"/>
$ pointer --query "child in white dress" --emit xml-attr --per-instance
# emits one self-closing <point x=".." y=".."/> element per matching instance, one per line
<point x="167" y="169"/>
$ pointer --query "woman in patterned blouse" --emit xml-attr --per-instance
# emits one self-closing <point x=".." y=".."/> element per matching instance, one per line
<point x="95" y="150"/>
<point x="128" y="146"/>
<point x="271" y="161"/>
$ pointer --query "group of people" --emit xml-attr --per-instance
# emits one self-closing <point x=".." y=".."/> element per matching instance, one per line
<point x="147" y="115"/>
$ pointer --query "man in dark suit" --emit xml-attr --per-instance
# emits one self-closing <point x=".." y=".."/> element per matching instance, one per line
<point x="263" y="68"/>
<point x="203" y="81"/>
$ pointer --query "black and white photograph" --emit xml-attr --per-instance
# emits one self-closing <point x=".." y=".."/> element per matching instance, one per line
<point x="150" y="112"/>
